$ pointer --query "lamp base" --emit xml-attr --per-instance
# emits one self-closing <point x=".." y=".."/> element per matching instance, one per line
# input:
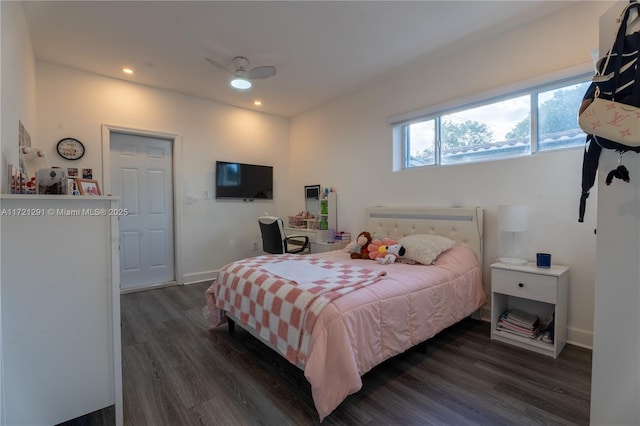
<point x="513" y="261"/>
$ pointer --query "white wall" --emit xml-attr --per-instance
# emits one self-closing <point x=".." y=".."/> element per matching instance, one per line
<point x="75" y="104"/>
<point x="2" y="399"/>
<point x="18" y="83"/>
<point x="615" y="379"/>
<point x="17" y="103"/>
<point x="347" y="144"/>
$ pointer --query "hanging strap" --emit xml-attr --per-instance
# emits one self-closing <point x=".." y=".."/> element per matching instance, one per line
<point x="618" y="46"/>
<point x="590" y="160"/>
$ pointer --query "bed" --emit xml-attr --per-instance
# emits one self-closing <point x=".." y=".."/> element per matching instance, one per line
<point x="336" y="317"/>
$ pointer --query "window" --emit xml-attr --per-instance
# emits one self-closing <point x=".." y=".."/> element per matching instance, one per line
<point x="541" y="118"/>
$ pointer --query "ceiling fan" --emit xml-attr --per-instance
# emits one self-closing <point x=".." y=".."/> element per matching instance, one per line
<point x="242" y="75"/>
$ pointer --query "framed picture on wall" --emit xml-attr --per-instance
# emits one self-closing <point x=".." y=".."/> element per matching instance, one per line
<point x="87" y="173"/>
<point x="88" y="187"/>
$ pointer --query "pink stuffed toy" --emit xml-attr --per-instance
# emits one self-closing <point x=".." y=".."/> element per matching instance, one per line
<point x="378" y="247"/>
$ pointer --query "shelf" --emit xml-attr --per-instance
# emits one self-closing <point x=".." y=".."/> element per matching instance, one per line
<point x="40" y="197"/>
<point x="526" y="342"/>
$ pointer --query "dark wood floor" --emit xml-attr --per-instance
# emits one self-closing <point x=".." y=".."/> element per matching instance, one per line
<point x="176" y="372"/>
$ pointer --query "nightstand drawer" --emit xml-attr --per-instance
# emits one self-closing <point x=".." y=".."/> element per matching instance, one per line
<point x="525" y="285"/>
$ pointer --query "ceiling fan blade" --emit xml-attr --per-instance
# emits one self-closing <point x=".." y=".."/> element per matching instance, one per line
<point x="262" y="72"/>
<point x="216" y="64"/>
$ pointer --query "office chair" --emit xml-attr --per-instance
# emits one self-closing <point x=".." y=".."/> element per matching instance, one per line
<point x="274" y="239"/>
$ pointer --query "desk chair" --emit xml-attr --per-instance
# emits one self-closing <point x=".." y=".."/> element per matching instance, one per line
<point x="274" y="239"/>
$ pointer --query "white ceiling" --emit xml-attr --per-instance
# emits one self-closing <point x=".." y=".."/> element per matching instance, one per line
<point x="322" y="50"/>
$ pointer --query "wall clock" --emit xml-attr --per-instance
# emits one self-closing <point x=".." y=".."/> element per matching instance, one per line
<point x="70" y="148"/>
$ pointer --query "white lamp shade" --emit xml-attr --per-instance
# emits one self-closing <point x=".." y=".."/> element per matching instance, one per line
<point x="513" y="218"/>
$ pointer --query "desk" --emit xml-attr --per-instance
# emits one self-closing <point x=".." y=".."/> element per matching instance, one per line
<point x="311" y="233"/>
<point x="321" y="247"/>
<point x="317" y="239"/>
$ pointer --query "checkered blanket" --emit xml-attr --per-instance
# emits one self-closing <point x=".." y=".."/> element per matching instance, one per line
<point x="280" y="310"/>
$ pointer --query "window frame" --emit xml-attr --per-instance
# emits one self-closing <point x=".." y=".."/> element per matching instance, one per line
<point x="532" y="88"/>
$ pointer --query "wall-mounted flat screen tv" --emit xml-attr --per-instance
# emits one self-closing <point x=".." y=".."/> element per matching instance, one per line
<point x="245" y="181"/>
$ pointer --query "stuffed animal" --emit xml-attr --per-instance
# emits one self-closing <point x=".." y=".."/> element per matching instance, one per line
<point x="391" y="254"/>
<point x="379" y="246"/>
<point x="359" y="250"/>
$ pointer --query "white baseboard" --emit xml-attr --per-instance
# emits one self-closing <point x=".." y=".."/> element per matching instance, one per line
<point x="582" y="338"/>
<point x="198" y="277"/>
<point x="147" y="287"/>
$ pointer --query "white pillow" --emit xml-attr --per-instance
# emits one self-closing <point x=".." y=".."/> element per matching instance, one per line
<point x="425" y="248"/>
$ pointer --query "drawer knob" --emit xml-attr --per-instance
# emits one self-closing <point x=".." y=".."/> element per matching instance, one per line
<point x="520" y="285"/>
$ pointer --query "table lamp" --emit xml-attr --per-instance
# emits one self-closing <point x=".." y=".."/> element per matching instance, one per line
<point x="513" y="219"/>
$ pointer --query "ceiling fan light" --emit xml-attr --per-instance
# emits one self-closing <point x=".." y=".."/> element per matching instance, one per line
<point x="240" y="83"/>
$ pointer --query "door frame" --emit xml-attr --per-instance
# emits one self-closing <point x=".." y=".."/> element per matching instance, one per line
<point x="176" y="142"/>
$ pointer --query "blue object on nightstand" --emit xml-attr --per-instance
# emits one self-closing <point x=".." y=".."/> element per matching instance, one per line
<point x="543" y="260"/>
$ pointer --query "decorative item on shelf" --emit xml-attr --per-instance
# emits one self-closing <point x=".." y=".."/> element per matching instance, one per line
<point x="30" y="186"/>
<point x="26" y="150"/>
<point x="24" y="143"/>
<point x="87" y="173"/>
<point x="297" y="221"/>
<point x="33" y="159"/>
<point x="312" y="223"/>
<point x="88" y="187"/>
<point x="18" y="182"/>
<point x="14" y="179"/>
<point x="72" y="186"/>
<point x="513" y="219"/>
<point x="324" y="206"/>
<point x="51" y="181"/>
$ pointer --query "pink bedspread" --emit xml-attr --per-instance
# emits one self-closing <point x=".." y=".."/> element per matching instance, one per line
<point x="284" y="307"/>
<point x="361" y="329"/>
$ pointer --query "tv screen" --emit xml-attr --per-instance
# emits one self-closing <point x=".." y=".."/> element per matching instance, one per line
<point x="246" y="181"/>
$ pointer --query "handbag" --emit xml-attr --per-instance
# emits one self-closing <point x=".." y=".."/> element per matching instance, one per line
<point x="609" y="120"/>
<point x="613" y="118"/>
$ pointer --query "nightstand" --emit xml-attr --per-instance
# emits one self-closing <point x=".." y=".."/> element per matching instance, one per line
<point x="539" y="291"/>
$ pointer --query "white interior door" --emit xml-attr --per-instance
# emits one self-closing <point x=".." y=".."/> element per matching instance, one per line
<point x="142" y="176"/>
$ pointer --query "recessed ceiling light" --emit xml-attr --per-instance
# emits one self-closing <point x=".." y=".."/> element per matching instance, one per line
<point x="257" y="102"/>
<point x="127" y="71"/>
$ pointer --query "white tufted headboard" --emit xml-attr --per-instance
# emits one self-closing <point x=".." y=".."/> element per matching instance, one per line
<point x="464" y="225"/>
